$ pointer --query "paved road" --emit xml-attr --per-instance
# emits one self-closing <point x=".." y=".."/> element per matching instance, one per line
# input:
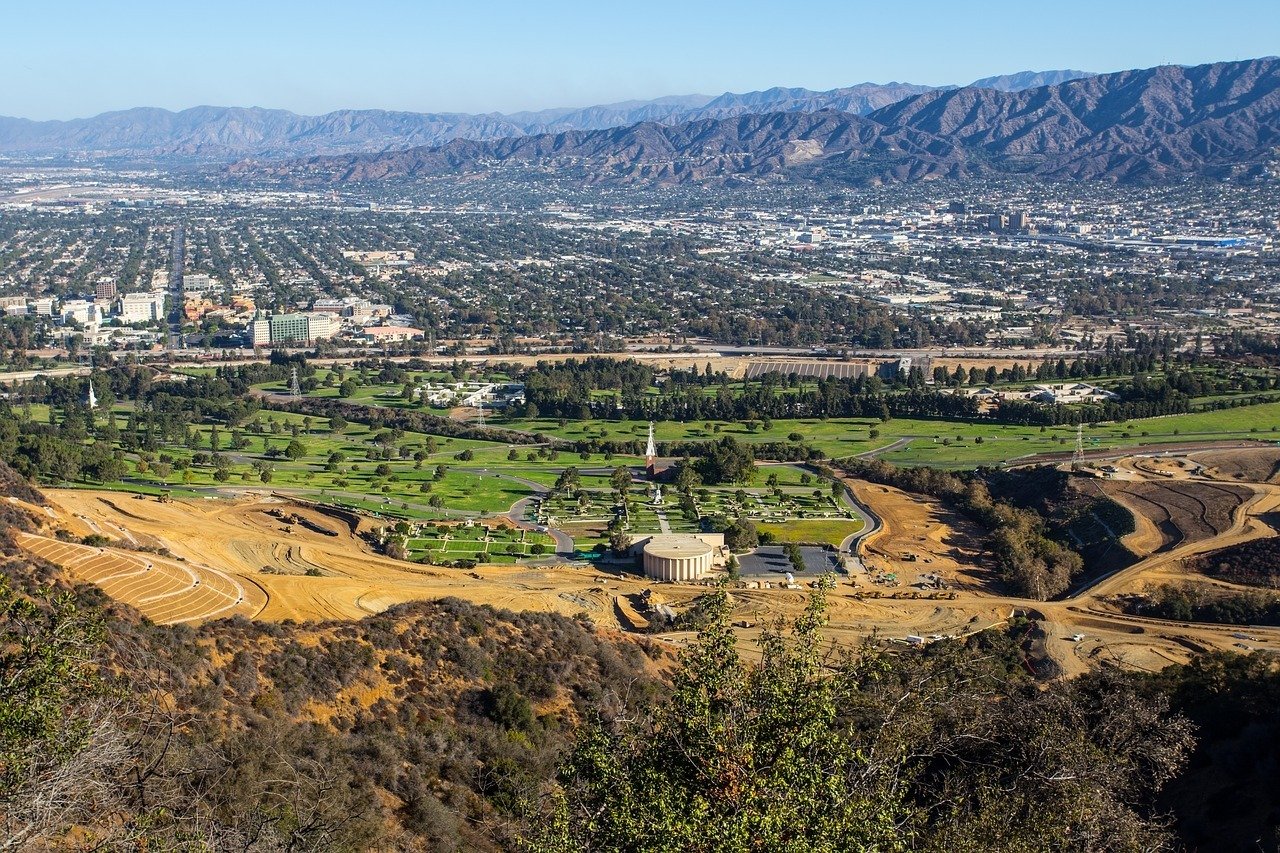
<point x="178" y="252"/>
<point x="20" y="376"/>
<point x="870" y="522"/>
<point x="564" y="542"/>
<point x="1141" y="449"/>
<point x="888" y="448"/>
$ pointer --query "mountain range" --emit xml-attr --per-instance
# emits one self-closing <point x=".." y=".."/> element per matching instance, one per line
<point x="1220" y="120"/>
<point x="231" y="133"/>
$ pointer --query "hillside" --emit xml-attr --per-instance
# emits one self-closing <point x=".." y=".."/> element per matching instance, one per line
<point x="1211" y="121"/>
<point x="448" y="726"/>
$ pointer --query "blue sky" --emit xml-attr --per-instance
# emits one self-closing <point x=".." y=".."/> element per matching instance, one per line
<point x="74" y="58"/>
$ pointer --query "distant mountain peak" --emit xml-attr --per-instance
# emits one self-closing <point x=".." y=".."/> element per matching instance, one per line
<point x="1022" y="80"/>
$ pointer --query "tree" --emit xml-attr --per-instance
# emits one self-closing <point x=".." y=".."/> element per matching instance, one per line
<point x="60" y="743"/>
<point x="620" y="479"/>
<point x="795" y="557"/>
<point x="741" y="535"/>
<point x="947" y="750"/>
<point x="295" y="450"/>
<point x="687" y="477"/>
<point x="568" y="481"/>
<point x="726" y="461"/>
<point x="619" y="542"/>
<point x="741" y="758"/>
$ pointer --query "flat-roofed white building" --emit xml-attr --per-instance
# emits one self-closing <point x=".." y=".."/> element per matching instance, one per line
<point x="79" y="310"/>
<point x="141" y="307"/>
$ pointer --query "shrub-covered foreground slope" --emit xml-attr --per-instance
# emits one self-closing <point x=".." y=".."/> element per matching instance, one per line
<point x="445" y="726"/>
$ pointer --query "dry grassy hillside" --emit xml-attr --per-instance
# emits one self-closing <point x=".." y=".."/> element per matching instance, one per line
<point x="425" y="725"/>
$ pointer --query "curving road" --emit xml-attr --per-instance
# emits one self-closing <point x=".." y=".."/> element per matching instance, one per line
<point x="564" y="542"/>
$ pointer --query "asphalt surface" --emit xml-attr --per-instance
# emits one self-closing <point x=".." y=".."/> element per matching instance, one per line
<point x="770" y="562"/>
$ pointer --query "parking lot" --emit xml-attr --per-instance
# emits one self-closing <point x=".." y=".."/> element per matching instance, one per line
<point x="770" y="561"/>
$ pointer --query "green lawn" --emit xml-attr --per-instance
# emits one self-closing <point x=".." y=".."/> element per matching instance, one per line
<point x="817" y="531"/>
<point x="490" y="481"/>
<point x="946" y="444"/>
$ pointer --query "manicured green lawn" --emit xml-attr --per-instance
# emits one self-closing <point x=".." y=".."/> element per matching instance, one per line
<point x="490" y="480"/>
<point x="947" y="444"/>
<point x="833" y="531"/>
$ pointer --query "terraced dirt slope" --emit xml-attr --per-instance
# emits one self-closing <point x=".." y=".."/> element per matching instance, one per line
<point x="165" y="591"/>
<point x="1175" y="513"/>
<point x="1260" y="465"/>
<point x="307" y="565"/>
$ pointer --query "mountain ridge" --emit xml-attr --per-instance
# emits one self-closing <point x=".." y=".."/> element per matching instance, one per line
<point x="1020" y="80"/>
<point x="231" y="133"/>
<point x="1220" y="120"/>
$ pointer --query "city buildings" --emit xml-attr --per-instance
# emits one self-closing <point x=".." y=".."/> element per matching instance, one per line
<point x="295" y="329"/>
<point x="141" y="307"/>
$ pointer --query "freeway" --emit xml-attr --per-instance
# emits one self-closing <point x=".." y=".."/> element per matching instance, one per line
<point x="20" y="376"/>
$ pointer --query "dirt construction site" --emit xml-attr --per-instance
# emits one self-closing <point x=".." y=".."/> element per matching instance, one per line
<point x="264" y="557"/>
<point x="292" y="562"/>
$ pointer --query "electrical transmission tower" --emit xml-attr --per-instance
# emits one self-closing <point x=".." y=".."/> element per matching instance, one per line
<point x="1077" y="458"/>
<point x="295" y="390"/>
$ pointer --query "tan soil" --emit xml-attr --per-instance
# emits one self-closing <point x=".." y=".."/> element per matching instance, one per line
<point x="940" y="540"/>
<point x="234" y="538"/>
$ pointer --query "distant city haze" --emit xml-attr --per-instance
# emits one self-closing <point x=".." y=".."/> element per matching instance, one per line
<point x="77" y="59"/>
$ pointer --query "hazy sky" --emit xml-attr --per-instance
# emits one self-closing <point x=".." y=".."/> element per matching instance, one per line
<point x="66" y="59"/>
